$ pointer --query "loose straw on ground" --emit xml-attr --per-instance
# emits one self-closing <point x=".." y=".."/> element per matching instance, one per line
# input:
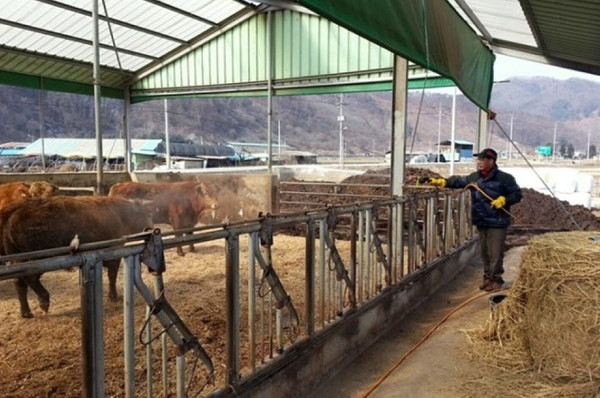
<point x="543" y="339"/>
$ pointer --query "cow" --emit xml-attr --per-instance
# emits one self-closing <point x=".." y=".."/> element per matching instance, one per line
<point x="44" y="223"/>
<point x="180" y="204"/>
<point x="16" y="191"/>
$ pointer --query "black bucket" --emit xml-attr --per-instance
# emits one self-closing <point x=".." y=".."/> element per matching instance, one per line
<point x="496" y="299"/>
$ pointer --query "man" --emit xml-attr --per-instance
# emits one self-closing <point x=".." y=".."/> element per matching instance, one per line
<point x="492" y="193"/>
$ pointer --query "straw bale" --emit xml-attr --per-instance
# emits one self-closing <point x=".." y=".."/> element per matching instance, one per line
<point x="547" y="329"/>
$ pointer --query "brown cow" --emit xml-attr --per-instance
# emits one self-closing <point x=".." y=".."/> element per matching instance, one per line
<point x="179" y="204"/>
<point x="15" y="191"/>
<point x="44" y="223"/>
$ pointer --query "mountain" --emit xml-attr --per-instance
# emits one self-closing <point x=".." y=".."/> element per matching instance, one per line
<point x="310" y="123"/>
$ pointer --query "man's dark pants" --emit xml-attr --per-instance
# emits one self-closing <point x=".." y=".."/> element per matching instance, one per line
<point x="491" y="244"/>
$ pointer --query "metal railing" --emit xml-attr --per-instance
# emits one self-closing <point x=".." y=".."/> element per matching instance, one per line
<point x="351" y="255"/>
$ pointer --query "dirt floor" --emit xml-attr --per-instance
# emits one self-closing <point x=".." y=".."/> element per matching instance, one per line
<point x="41" y="357"/>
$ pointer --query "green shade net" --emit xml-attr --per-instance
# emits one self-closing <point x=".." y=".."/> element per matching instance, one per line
<point x="428" y="32"/>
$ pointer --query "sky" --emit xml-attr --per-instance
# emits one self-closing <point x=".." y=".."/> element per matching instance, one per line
<point x="506" y="67"/>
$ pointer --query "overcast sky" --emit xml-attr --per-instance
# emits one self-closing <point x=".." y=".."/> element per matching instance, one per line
<point x="507" y="67"/>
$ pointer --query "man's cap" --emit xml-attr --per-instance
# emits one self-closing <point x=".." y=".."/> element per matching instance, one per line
<point x="487" y="153"/>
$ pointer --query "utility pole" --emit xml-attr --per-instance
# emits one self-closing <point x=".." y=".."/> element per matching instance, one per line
<point x="167" y="140"/>
<point x="588" y="144"/>
<point x="511" y="139"/>
<point x="341" y="120"/>
<point x="554" y="144"/>
<point x="453" y="134"/>
<point x="439" y="131"/>
<point x="279" y="138"/>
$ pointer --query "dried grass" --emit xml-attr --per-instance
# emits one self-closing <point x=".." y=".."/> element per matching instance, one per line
<point x="543" y="339"/>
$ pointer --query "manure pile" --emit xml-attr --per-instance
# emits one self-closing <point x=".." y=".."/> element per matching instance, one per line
<point x="543" y="339"/>
<point x="535" y="211"/>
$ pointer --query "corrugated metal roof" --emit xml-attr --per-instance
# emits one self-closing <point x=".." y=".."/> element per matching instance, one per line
<point x="112" y="148"/>
<point x="561" y="33"/>
<point x="53" y="39"/>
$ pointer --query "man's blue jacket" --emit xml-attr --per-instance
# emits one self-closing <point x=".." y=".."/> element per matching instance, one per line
<point x="497" y="183"/>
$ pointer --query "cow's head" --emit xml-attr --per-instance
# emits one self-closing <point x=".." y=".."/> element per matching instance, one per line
<point x="42" y="189"/>
<point x="207" y="196"/>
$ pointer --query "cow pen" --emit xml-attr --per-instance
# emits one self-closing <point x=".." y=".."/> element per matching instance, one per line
<point x="358" y="268"/>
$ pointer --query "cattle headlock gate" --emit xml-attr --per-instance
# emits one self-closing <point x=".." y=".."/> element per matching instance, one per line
<point x="358" y="259"/>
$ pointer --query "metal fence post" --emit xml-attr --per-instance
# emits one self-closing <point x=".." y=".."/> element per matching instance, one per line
<point x="92" y="334"/>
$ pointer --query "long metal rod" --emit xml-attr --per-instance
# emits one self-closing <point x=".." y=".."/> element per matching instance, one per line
<point x="180" y="375"/>
<point x="232" y="310"/>
<point x="353" y="237"/>
<point x="97" y="99"/>
<point x="252" y="244"/>
<point x="126" y="112"/>
<point x="164" y="352"/>
<point x="92" y="335"/>
<point x="322" y="248"/>
<point x="309" y="272"/>
<point x="371" y="273"/>
<point x="129" y="322"/>
<point x="149" y="367"/>
<point x="167" y="138"/>
<point x="269" y="91"/>
<point x="361" y="250"/>
<point x="42" y="123"/>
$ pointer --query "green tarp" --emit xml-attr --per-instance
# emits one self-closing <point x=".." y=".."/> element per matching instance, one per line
<point x="428" y="32"/>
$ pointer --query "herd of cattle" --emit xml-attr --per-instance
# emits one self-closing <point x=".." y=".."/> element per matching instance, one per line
<point x="33" y="216"/>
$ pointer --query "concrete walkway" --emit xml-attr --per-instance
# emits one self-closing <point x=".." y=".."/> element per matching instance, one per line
<point x="439" y="364"/>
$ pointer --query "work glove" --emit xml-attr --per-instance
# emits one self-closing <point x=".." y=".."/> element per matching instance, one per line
<point x="499" y="202"/>
<point x="438" y="182"/>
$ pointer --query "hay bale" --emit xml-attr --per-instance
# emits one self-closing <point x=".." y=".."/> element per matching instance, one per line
<point x="552" y="311"/>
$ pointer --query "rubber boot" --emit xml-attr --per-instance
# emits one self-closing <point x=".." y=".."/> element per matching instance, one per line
<point x="494" y="284"/>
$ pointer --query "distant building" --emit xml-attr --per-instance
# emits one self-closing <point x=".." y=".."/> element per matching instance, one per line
<point x="187" y="156"/>
<point x="282" y="153"/>
<point x="12" y="148"/>
<point x="463" y="150"/>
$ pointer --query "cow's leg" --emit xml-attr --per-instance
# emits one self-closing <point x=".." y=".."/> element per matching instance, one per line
<point x="192" y="248"/>
<point x="112" y="267"/>
<point x="36" y="285"/>
<point x="179" y="248"/>
<point x="21" y="287"/>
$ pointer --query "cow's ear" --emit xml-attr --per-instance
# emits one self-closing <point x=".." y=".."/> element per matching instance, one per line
<point x="201" y="189"/>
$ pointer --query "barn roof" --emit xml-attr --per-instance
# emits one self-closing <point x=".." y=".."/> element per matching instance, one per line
<point x="112" y="148"/>
<point x="52" y="39"/>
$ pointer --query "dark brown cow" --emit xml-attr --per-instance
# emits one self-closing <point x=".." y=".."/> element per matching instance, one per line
<point x="44" y="223"/>
<point x="16" y="191"/>
<point x="179" y="204"/>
